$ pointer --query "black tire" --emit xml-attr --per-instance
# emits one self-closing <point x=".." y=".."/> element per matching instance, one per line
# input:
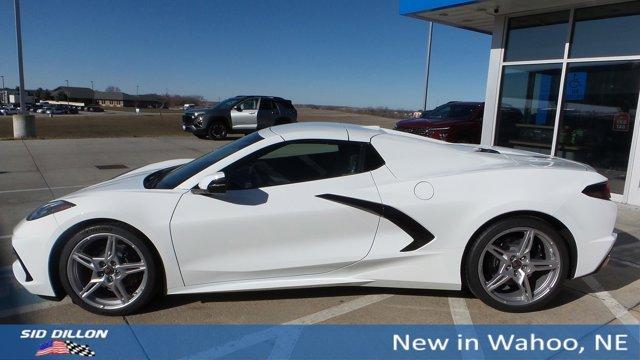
<point x="150" y="289"/>
<point x="472" y="263"/>
<point x="218" y="130"/>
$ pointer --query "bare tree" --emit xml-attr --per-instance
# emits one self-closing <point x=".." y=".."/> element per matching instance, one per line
<point x="112" y="88"/>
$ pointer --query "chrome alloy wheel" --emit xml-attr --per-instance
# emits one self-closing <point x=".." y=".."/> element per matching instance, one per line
<point x="519" y="266"/>
<point x="107" y="271"/>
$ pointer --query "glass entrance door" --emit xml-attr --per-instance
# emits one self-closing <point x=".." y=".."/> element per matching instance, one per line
<point x="598" y="115"/>
<point x="569" y="87"/>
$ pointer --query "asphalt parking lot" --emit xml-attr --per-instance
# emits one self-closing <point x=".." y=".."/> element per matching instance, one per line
<point x="34" y="171"/>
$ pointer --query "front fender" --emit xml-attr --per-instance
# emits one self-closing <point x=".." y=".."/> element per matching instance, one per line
<point x="151" y="215"/>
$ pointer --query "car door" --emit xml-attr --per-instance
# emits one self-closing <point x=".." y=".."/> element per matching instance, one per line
<point x="244" y="116"/>
<point x="476" y="127"/>
<point x="463" y="117"/>
<point x="272" y="221"/>
<point x="267" y="113"/>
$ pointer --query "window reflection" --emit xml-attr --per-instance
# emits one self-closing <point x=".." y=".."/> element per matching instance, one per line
<point x="537" y="37"/>
<point x="598" y="113"/>
<point x="528" y="104"/>
<point x="609" y="30"/>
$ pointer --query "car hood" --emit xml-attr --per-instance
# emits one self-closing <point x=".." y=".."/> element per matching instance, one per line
<point x="199" y="110"/>
<point x="132" y="180"/>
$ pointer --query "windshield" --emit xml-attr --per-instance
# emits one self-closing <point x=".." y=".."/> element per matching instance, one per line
<point x="450" y="111"/>
<point x="178" y="175"/>
<point x="226" y="103"/>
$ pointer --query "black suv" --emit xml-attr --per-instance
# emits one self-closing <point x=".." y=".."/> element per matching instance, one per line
<point x="240" y="114"/>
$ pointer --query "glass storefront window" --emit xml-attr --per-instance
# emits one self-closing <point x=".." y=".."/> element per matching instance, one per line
<point x="597" y="119"/>
<point x="537" y="37"/>
<point x="528" y="101"/>
<point x="609" y="30"/>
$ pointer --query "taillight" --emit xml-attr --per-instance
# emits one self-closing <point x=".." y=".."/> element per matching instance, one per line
<point x="599" y="191"/>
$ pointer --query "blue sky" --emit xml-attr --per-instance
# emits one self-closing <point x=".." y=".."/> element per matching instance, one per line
<point x="333" y="52"/>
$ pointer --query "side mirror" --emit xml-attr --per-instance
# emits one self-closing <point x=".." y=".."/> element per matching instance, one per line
<point x="212" y="184"/>
<point x="238" y="108"/>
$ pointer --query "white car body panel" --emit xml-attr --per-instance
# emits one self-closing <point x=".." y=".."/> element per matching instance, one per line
<point x="285" y="236"/>
<point x="315" y="235"/>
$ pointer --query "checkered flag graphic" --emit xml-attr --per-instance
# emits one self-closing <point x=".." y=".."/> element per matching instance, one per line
<point x="77" y="349"/>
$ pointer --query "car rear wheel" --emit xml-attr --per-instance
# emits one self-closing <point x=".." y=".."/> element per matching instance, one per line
<point x="108" y="270"/>
<point x="218" y="130"/>
<point x="517" y="264"/>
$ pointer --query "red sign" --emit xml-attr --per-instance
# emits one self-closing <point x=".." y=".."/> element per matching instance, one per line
<point x="621" y="121"/>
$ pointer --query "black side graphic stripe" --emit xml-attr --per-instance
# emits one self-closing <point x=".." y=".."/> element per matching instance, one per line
<point x="420" y="235"/>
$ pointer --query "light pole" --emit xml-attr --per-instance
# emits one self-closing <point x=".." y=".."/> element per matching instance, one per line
<point x="2" y="76"/>
<point x="67" y="82"/>
<point x="24" y="125"/>
<point x="137" y="99"/>
<point x="2" y="99"/>
<point x="93" y="94"/>
<point x="427" y="66"/>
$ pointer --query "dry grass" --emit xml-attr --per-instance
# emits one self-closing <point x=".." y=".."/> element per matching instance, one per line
<point x="167" y="124"/>
<point x="88" y="126"/>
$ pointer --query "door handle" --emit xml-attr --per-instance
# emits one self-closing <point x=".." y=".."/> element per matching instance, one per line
<point x="252" y="113"/>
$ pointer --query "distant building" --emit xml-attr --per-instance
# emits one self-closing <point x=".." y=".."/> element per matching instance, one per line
<point x="75" y="94"/>
<point x="111" y="98"/>
<point x="12" y="96"/>
<point x="120" y="99"/>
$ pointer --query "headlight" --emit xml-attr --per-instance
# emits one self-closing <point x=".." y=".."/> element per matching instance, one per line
<point x="49" y="208"/>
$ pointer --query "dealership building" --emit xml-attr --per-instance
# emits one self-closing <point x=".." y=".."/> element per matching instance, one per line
<point x="563" y="78"/>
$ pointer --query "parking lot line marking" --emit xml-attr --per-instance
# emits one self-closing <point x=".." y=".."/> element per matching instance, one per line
<point x="286" y="338"/>
<point x="461" y="316"/>
<point x="35" y="163"/>
<point x="459" y="311"/>
<point x="42" y="189"/>
<point x="618" y="310"/>
<point x="338" y="310"/>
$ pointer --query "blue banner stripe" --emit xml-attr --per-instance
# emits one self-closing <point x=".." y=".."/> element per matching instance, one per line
<point x="332" y="341"/>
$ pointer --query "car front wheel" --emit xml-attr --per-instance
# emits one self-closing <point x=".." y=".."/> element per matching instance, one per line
<point x="517" y="264"/>
<point x="218" y="130"/>
<point x="108" y="270"/>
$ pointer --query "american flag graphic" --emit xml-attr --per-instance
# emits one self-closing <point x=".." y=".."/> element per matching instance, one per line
<point x="53" y="347"/>
<point x="59" y="347"/>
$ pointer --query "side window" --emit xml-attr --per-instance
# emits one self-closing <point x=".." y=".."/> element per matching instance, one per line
<point x="461" y="111"/>
<point x="441" y="112"/>
<point x="285" y="107"/>
<point x="251" y="104"/>
<point x="267" y="105"/>
<point x="299" y="161"/>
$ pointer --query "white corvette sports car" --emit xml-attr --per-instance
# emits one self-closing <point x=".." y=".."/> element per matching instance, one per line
<point x="320" y="204"/>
